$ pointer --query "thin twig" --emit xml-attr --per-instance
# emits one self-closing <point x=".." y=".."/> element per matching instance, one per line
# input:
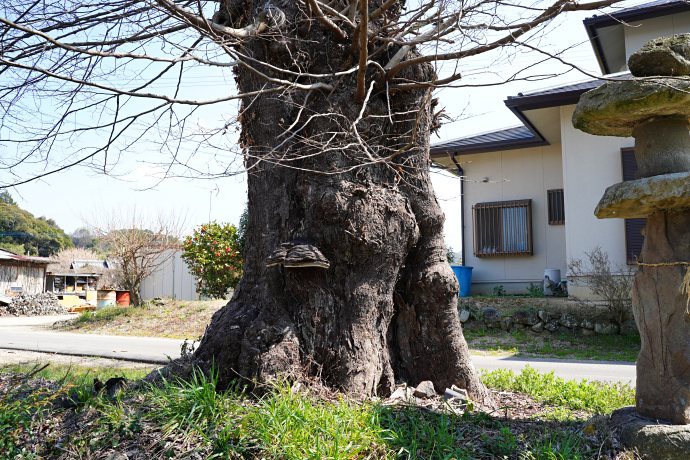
<point x="363" y="49"/>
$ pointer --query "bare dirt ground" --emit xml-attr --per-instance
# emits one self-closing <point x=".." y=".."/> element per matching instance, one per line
<point x="175" y="319"/>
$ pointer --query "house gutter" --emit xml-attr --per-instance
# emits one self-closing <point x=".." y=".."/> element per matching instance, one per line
<point x="462" y="208"/>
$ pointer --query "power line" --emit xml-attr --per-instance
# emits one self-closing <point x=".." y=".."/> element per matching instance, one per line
<point x="35" y="235"/>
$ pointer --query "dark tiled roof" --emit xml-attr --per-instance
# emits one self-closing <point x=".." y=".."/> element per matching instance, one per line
<point x="504" y="139"/>
<point x="521" y="136"/>
<point x="577" y="88"/>
<point x="617" y="19"/>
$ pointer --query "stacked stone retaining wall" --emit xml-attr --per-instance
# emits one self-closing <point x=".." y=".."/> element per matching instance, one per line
<point x="539" y="315"/>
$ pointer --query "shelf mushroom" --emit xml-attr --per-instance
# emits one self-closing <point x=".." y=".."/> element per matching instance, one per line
<point x="297" y="253"/>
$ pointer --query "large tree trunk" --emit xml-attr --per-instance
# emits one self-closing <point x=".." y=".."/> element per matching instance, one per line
<point x="386" y="308"/>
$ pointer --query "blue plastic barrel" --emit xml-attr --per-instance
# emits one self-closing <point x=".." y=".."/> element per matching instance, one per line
<point x="464" y="275"/>
<point x="105" y="298"/>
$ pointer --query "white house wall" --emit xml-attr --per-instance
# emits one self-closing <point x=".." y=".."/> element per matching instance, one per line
<point x="172" y="279"/>
<point x="637" y="34"/>
<point x="513" y="175"/>
<point x="590" y="164"/>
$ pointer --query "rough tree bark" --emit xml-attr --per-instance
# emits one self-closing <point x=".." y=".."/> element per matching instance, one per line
<point x="386" y="309"/>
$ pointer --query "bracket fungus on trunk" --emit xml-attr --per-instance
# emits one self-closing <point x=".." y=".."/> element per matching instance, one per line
<point x="297" y="253"/>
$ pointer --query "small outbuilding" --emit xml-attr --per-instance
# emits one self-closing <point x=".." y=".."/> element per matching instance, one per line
<point x="22" y="274"/>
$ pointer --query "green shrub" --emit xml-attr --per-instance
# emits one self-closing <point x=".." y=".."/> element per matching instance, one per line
<point x="535" y="290"/>
<point x="213" y="253"/>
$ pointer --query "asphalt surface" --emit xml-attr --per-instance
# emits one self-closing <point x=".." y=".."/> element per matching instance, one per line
<point x="30" y="334"/>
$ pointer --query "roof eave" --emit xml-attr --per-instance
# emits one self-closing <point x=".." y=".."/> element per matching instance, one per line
<point x="636" y="14"/>
<point x="440" y="152"/>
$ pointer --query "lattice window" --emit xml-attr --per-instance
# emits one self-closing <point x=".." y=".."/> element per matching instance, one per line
<point x="502" y="228"/>
<point x="633" y="227"/>
<point x="556" y="207"/>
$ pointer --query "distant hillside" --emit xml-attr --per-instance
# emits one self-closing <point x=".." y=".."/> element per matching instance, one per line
<point x="23" y="233"/>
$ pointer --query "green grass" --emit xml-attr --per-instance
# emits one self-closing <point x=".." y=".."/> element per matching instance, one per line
<point x="18" y="410"/>
<point x="623" y="347"/>
<point x="194" y="405"/>
<point x="293" y="425"/>
<point x="73" y="375"/>
<point x="411" y="433"/>
<point x="105" y="314"/>
<point x="587" y="395"/>
<point x="181" y="418"/>
<point x="24" y="407"/>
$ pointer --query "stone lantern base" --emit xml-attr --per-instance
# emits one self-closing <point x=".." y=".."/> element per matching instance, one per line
<point x="652" y="440"/>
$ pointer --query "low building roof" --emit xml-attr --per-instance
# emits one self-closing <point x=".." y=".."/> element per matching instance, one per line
<point x="554" y="96"/>
<point x="90" y="275"/>
<point x="9" y="255"/>
<point x="89" y="263"/>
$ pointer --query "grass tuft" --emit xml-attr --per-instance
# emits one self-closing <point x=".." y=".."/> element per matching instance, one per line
<point x="294" y="425"/>
<point x="411" y="433"/>
<point x="105" y="314"/>
<point x="587" y="395"/>
<point x="193" y="406"/>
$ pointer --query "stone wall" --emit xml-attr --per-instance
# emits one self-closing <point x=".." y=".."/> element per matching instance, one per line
<point x="538" y="315"/>
<point x="44" y="303"/>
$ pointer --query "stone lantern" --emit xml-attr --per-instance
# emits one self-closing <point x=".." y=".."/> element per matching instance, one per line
<point x="654" y="108"/>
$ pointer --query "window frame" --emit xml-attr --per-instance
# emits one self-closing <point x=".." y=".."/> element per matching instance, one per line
<point x="490" y="238"/>
<point x="633" y="238"/>
<point x="555" y="199"/>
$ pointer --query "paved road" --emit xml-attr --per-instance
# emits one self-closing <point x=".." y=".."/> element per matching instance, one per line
<point x="21" y="321"/>
<point x="140" y="349"/>
<point x="26" y="334"/>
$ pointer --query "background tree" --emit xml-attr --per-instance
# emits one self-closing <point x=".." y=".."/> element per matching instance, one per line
<point x="138" y="244"/>
<point x="23" y="233"/>
<point x="7" y="199"/>
<point x="336" y="109"/>
<point x="83" y="238"/>
<point x="213" y="254"/>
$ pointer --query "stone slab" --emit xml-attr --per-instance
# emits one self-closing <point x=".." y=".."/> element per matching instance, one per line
<point x="653" y="440"/>
<point x="615" y="108"/>
<point x="662" y="56"/>
<point x="644" y="197"/>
